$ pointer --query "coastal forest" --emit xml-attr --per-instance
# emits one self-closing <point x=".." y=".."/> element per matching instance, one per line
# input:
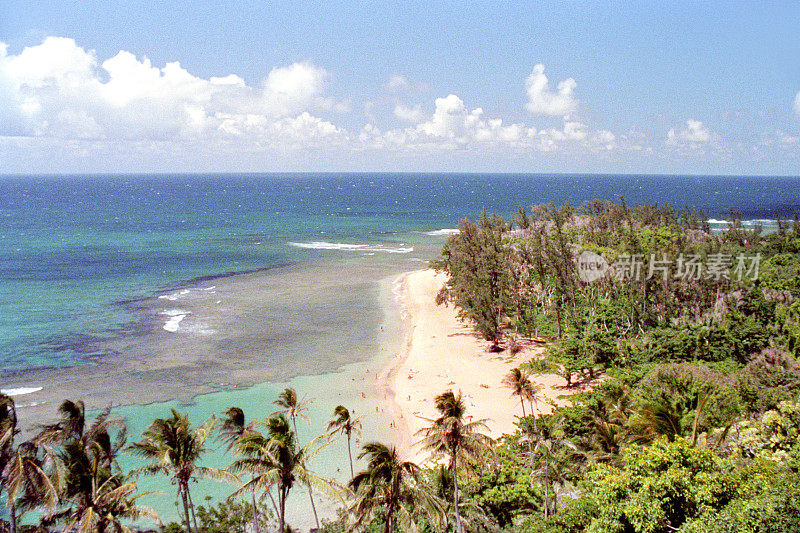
<point x="678" y="343"/>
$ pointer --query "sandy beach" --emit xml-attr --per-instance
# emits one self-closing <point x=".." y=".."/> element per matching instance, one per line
<point x="441" y="353"/>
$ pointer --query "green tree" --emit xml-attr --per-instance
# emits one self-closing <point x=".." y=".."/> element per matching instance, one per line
<point x="547" y="444"/>
<point x="94" y="493"/>
<point x="474" y="258"/>
<point x="230" y="516"/>
<point x="389" y="484"/>
<point x="175" y="448"/>
<point x="343" y="423"/>
<point x="460" y="441"/>
<point x="21" y="473"/>
<point x="275" y="461"/>
<point x="231" y="431"/>
<point x="293" y="408"/>
<point x="660" y="488"/>
<point x="521" y="385"/>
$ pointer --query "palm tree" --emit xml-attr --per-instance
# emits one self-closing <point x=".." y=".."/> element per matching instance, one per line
<point x="21" y="473"/>
<point x="231" y="432"/>
<point x="292" y="407"/>
<point x="546" y="440"/>
<point x="344" y="423"/>
<point x="390" y="484"/>
<point x="438" y="481"/>
<point x="274" y="461"/>
<point x="521" y="385"/>
<point x="608" y="417"/>
<point x="233" y="427"/>
<point x="449" y="435"/>
<point x="26" y="483"/>
<point x="174" y="447"/>
<point x="114" y="499"/>
<point x="85" y="468"/>
<point x="8" y="429"/>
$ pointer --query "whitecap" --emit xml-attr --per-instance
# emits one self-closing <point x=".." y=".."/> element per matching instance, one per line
<point x="350" y="247"/>
<point x="19" y="391"/>
<point x="760" y="221"/>
<point x="175" y="318"/>
<point x="444" y="231"/>
<point x="753" y="222"/>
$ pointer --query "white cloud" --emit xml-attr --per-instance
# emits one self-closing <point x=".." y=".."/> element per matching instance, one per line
<point x="797" y="103"/>
<point x="57" y="89"/>
<point x="56" y="61"/>
<point x="454" y="126"/>
<point x="398" y="83"/>
<point x="290" y="89"/>
<point x="413" y="115"/>
<point x="543" y="101"/>
<point x="695" y="133"/>
<point x="58" y="93"/>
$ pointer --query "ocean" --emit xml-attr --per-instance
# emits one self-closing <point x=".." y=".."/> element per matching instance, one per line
<point x="205" y="291"/>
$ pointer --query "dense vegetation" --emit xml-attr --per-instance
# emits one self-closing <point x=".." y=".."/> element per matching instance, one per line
<point x="681" y="342"/>
<point x="689" y="346"/>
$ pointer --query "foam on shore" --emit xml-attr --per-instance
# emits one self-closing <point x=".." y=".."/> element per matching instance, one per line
<point x="351" y="247"/>
<point x="443" y="232"/>
<point x="20" y="391"/>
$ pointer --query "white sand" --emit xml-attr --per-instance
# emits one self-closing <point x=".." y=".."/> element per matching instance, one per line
<point x="442" y="355"/>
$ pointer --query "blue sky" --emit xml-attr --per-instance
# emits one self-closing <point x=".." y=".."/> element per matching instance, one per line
<point x="701" y="88"/>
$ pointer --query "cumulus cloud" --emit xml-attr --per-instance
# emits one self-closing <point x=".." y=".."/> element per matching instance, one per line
<point x="543" y="101"/>
<point x="290" y="89"/>
<point x="457" y="126"/>
<point x="59" y="89"/>
<point x="59" y="93"/>
<point x="453" y="126"/>
<point x="695" y="133"/>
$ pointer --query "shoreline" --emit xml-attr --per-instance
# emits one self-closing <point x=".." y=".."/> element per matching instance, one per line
<point x="440" y="353"/>
<point x="227" y="340"/>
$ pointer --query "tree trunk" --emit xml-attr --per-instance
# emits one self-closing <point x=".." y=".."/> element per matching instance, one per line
<point x="523" y="405"/>
<point x="282" y="513"/>
<point x="313" y="507"/>
<point x="191" y="508"/>
<point x="255" y="510"/>
<point x="546" y="482"/>
<point x="12" y="515"/>
<point x="350" y="454"/>
<point x="558" y="319"/>
<point x="182" y="489"/>
<point x="310" y="495"/>
<point x="389" y="520"/>
<point x="453" y="469"/>
<point x="272" y="499"/>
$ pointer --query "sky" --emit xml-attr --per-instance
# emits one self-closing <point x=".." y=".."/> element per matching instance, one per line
<point x="254" y="86"/>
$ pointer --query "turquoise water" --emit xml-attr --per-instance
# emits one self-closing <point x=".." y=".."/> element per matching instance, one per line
<point x="124" y="289"/>
<point x="72" y="248"/>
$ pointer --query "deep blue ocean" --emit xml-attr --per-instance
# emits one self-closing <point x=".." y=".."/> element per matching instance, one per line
<point x="72" y="248"/>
